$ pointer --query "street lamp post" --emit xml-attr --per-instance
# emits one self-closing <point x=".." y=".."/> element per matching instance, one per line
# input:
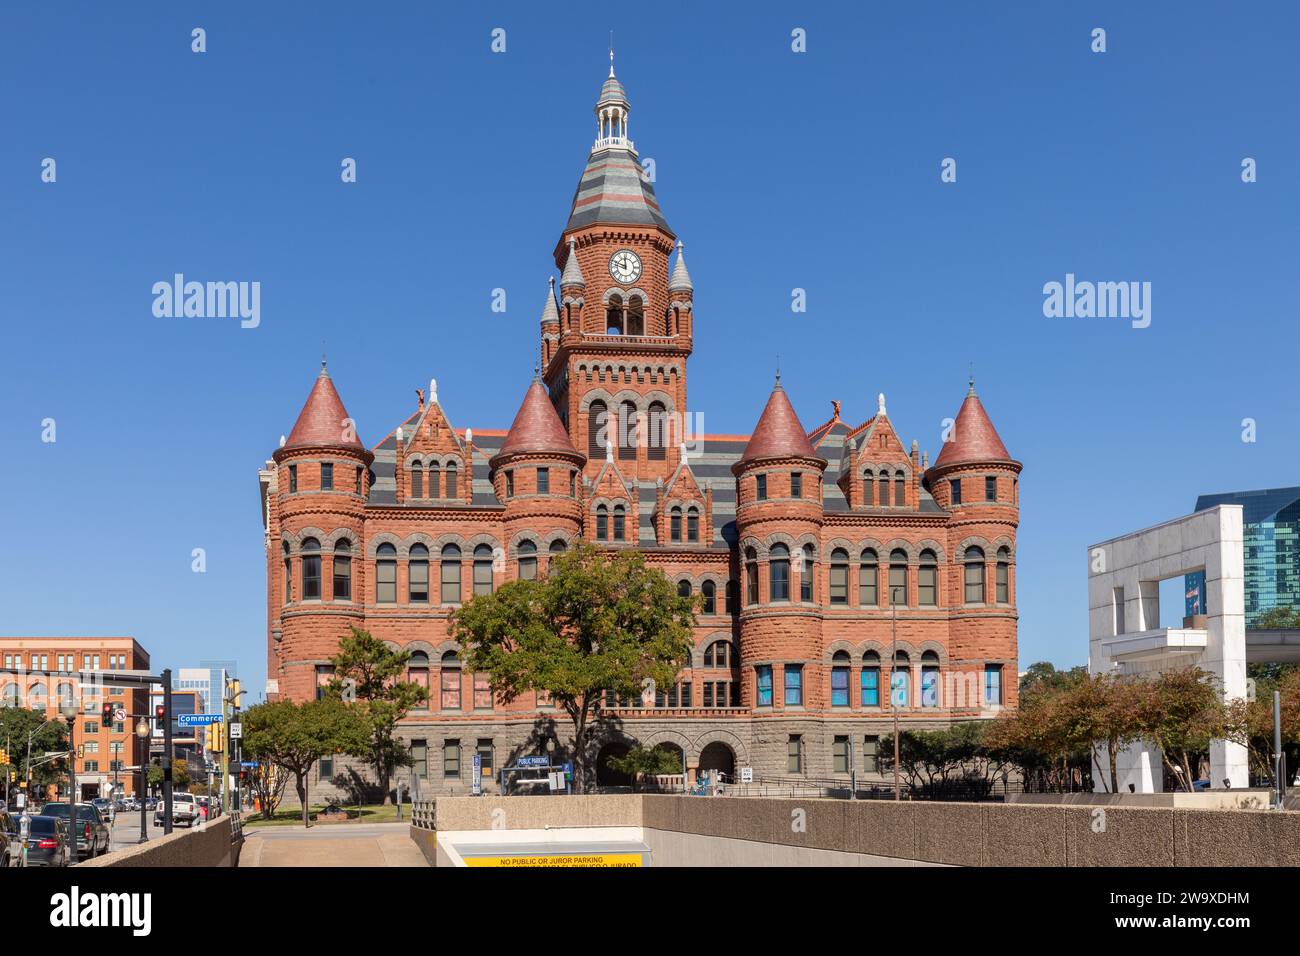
<point x="142" y="731"/>
<point x="893" y="667"/>
<point x="68" y="708"/>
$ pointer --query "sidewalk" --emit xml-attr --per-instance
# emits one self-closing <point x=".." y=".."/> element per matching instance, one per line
<point x="341" y="844"/>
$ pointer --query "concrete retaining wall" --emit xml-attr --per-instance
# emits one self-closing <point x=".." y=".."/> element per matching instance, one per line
<point x="1203" y="800"/>
<point x="208" y="844"/>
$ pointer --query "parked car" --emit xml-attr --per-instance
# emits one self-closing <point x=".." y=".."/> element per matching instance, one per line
<point x="47" y="841"/>
<point x="91" y="829"/>
<point x="185" y="809"/>
<point x="10" y="846"/>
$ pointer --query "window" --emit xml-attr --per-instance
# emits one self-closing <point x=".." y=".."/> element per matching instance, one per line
<point x="868" y="579"/>
<point x="954" y="490"/>
<point x="778" y="583"/>
<point x="710" y="592"/>
<point x="871" y="754"/>
<point x="796" y="485"/>
<point x="992" y="684"/>
<point x="693" y="525"/>
<point x="358" y="479"/>
<point x="751" y="576"/>
<point x="840" y="679"/>
<point x="92" y="727"/>
<point x="884" y="489"/>
<point x="683" y="589"/>
<point x="386" y="574"/>
<point x="482" y="692"/>
<point x="763" y="680"/>
<point x="311" y="570"/>
<point x="510" y="484"/>
<point x="732" y="597"/>
<point x="451" y="759"/>
<point x="527" y="561"/>
<point x="485" y="752"/>
<point x="597" y="416"/>
<point x="719" y="654"/>
<point x="900" y="681"/>
<point x="929" y="679"/>
<point x="620" y="531"/>
<point x="417" y="480"/>
<point x="898" y="577"/>
<point x="840" y="755"/>
<point x="434" y="480"/>
<point x="327" y="476"/>
<point x="293" y="479"/>
<point x="419" y="759"/>
<point x="868" y="488"/>
<point x="1003" y="580"/>
<point x="602" y="523"/>
<point x="990" y="488"/>
<point x="927" y="583"/>
<point x="450" y="593"/>
<point x="342" y="590"/>
<point x="839" y="576"/>
<point x="418" y="575"/>
<point x="627" y="432"/>
<point x="543" y="481"/>
<point x="417" y="672"/>
<point x="324" y="677"/>
<point x="900" y="489"/>
<point x="573" y="484"/>
<point x="760" y="487"/>
<point x="449" y="682"/>
<point x="974" y="575"/>
<point x="794" y="754"/>
<point x="483" y="569"/>
<point x="657" y="446"/>
<point x="288" y="586"/>
<point x="806" y="575"/>
<point x="793" y="685"/>
<point x="675" y="524"/>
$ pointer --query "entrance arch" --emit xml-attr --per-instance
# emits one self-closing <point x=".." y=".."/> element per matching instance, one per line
<point x="718" y="756"/>
<point x="607" y="776"/>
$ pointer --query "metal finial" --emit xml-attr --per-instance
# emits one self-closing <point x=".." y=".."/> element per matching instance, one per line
<point x="971" y="380"/>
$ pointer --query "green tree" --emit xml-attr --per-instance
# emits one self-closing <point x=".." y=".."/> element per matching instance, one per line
<point x="47" y="736"/>
<point x="597" y="622"/>
<point x="640" y="762"/>
<point x="1279" y="617"/>
<point x="368" y="670"/>
<point x="1181" y="711"/>
<point x="294" y="737"/>
<point x="1043" y="677"/>
<point x="1105" y="710"/>
<point x="180" y="773"/>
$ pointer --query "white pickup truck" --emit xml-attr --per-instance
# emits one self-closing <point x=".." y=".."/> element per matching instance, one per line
<point x="185" y="809"/>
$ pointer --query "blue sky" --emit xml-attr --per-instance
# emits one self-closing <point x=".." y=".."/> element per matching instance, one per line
<point x="817" y="170"/>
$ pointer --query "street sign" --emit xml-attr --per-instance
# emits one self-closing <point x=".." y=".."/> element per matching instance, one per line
<point x="248" y="764"/>
<point x="746" y="774"/>
<point x="236" y="731"/>
<point x="556" y="778"/>
<point x="533" y="762"/>
<point x="198" y="720"/>
<point x="119" y="715"/>
<point x="476" y="781"/>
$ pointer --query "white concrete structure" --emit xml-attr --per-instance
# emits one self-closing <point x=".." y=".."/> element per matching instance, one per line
<point x="1125" y="635"/>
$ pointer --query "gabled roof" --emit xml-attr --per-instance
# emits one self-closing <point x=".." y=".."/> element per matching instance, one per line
<point x="323" y="421"/>
<point x="537" y="429"/>
<point x="974" y="439"/>
<point x="778" y="433"/>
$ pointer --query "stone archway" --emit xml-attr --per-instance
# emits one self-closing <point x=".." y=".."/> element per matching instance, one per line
<point x="607" y="776"/>
<point x="718" y="756"/>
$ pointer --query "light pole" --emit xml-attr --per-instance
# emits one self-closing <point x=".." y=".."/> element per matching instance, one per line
<point x="68" y="710"/>
<point x="893" y="667"/>
<point x="142" y="731"/>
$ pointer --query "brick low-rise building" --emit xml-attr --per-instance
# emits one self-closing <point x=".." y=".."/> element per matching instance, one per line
<point x="810" y="550"/>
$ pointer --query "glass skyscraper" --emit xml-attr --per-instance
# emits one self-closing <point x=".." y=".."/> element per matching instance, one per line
<point x="1272" y="548"/>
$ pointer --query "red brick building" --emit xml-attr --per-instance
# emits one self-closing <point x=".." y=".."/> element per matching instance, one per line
<point x="806" y="546"/>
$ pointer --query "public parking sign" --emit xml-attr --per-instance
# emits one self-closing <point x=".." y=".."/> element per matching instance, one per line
<point x="198" y="720"/>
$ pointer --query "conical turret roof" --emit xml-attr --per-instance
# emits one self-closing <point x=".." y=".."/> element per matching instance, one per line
<point x="779" y="433"/>
<point x="974" y="439"/>
<point x="536" y="428"/>
<point x="323" y="421"/>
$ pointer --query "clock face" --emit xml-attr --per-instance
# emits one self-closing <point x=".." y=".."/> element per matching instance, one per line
<point x="625" y="266"/>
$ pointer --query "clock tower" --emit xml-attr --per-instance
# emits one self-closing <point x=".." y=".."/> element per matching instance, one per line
<point x="616" y="340"/>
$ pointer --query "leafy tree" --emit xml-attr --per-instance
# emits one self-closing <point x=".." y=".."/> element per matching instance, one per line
<point x="267" y="782"/>
<point x="640" y="762"/>
<point x="180" y="773"/>
<point x="367" y="667"/>
<point x="951" y="761"/>
<point x="1253" y="719"/>
<point x="295" y="736"/>
<point x="597" y="622"/>
<point x="1043" y="677"/>
<point x="16" y="724"/>
<point x="1105" y="710"/>
<point x="1279" y="617"/>
<point x="1181" y="711"/>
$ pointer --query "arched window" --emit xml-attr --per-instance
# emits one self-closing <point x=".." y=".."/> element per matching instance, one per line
<point x="483" y="569"/>
<point x="693" y="524"/>
<point x="840" y="664"/>
<point x="929" y="679"/>
<point x="684" y="589"/>
<point x="627" y="431"/>
<point x="927" y="580"/>
<point x="37" y="696"/>
<point x="722" y="690"/>
<point x="597" y="433"/>
<point x="614" y="316"/>
<point x="884" y="488"/>
<point x="974" y="575"/>
<point x="1003" y="580"/>
<point x="868" y="488"/>
<point x="778" y="578"/>
<point x="11" y="697"/>
<point x="839" y="576"/>
<point x="342" y="570"/>
<point x="806" y="590"/>
<point x="386" y="574"/>
<point x="657" y="442"/>
<point x="527" y="561"/>
<point x="900" y="488"/>
<point x="710" y="592"/>
<point x="720" y="654"/>
<point x="452" y="489"/>
<point x="869" y="579"/>
<point x="450" y="571"/>
<point x="449" y="680"/>
<point x="751" y="576"/>
<point x="898" y="577"/>
<point x="602" y="523"/>
<point x="635" y="316"/>
<point x="558" y="546"/>
<point x="434" y="491"/>
<point x="870" y="679"/>
<point x="417" y="480"/>
<point x="900" y="681"/>
<point x="417" y="568"/>
<point x="67" y="699"/>
<point x="288" y="575"/>
<point x="620" y="523"/>
<point x="417" y="673"/>
<point x="311" y="570"/>
<point x="675" y="524"/>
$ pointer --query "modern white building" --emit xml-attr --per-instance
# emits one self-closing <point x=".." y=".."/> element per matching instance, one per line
<point x="1125" y="636"/>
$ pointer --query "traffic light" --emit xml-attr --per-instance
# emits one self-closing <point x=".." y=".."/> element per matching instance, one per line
<point x="107" y="713"/>
<point x="213" y="742"/>
<point x="4" y="757"/>
<point x="158" y="712"/>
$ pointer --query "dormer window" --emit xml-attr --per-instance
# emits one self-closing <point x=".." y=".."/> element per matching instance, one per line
<point x="675" y="524"/>
<point x="693" y="524"/>
<point x="417" y="480"/>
